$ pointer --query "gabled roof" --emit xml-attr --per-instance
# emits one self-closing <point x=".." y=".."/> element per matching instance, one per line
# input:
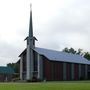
<point x="61" y="56"/>
<point x="6" y="70"/>
<point x="54" y="55"/>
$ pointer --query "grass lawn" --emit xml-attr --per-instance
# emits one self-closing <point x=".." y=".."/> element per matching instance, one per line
<point x="73" y="85"/>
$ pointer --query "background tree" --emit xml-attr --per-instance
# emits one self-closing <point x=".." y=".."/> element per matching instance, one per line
<point x="14" y="66"/>
<point x="66" y="50"/>
<point x="71" y="50"/>
<point x="80" y="52"/>
<point x="87" y="55"/>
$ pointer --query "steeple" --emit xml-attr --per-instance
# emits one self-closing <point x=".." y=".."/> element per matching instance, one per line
<point x="31" y="23"/>
<point x="30" y="46"/>
<point x="31" y="38"/>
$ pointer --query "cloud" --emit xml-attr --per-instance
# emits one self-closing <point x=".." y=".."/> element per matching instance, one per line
<point x="68" y="26"/>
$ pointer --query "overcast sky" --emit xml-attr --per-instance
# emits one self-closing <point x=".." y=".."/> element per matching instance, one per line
<point x="57" y="24"/>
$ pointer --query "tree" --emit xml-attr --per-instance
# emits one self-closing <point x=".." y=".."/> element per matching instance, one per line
<point x="79" y="52"/>
<point x="66" y="50"/>
<point x="71" y="50"/>
<point x="87" y="55"/>
<point x="14" y="66"/>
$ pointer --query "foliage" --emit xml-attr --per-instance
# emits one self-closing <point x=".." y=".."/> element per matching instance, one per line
<point x="14" y="66"/>
<point x="66" y="50"/>
<point x="72" y="50"/>
<point x="79" y="52"/>
<point x="87" y="55"/>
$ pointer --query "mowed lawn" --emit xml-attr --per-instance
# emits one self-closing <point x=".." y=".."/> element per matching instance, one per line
<point x="74" y="85"/>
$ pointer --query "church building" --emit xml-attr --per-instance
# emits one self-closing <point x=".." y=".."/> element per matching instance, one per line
<point x="50" y="65"/>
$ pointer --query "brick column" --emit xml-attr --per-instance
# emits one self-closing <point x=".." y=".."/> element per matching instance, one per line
<point x="64" y="71"/>
<point x="86" y="71"/>
<point x="21" y="68"/>
<point x="79" y="71"/>
<point x="72" y="71"/>
<point x="40" y="67"/>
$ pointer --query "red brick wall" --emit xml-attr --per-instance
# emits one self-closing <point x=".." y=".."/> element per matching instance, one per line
<point x="76" y="71"/>
<point x="58" y="71"/>
<point x="53" y="70"/>
<point x="68" y="71"/>
<point x="47" y="70"/>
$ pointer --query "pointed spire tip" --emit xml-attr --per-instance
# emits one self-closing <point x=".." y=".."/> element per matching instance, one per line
<point x="31" y="6"/>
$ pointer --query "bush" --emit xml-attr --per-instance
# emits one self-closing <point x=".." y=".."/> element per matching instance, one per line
<point x="34" y="79"/>
<point x="81" y="78"/>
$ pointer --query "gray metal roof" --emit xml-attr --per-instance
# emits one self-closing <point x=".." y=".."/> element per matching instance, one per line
<point x="61" y="56"/>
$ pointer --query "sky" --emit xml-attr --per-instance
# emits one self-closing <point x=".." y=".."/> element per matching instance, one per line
<point x="56" y="23"/>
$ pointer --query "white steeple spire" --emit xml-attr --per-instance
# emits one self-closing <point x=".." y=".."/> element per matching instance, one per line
<point x="30" y="46"/>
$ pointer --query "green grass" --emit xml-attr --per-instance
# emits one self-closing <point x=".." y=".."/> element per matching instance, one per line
<point x="74" y="85"/>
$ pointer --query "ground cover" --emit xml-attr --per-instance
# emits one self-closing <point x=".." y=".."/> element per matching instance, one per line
<point x="70" y="85"/>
